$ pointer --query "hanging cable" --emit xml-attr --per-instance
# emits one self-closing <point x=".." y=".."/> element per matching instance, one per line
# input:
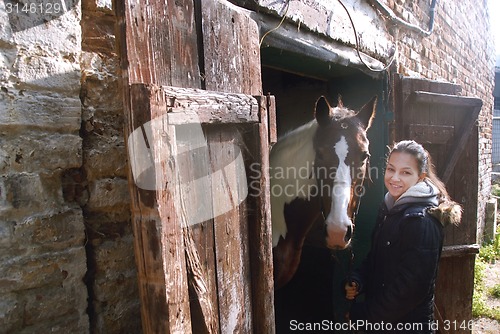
<point x="357" y="45"/>
<point x="277" y="27"/>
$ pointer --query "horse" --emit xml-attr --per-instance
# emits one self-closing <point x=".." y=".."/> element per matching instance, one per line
<point x="317" y="172"/>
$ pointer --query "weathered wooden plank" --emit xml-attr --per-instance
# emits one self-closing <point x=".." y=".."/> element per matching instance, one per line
<point x="158" y="42"/>
<point x="232" y="64"/>
<point x="193" y="162"/>
<point x="231" y="49"/>
<point x="260" y="230"/>
<point x="431" y="134"/>
<point x="450" y="100"/>
<point x="231" y="233"/>
<point x="172" y="218"/>
<point x="460" y="250"/>
<point x="272" y="124"/>
<point x="202" y="303"/>
<point x="465" y="134"/>
<point x="159" y="255"/>
<point x="208" y="107"/>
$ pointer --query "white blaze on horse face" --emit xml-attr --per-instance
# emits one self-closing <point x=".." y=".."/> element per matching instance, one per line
<point x="338" y="222"/>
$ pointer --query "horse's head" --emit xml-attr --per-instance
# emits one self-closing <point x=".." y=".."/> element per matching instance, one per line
<point x="341" y="164"/>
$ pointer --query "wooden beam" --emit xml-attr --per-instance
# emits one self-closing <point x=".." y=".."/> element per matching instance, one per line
<point x="185" y="105"/>
<point x="450" y="100"/>
<point x="158" y="43"/>
<point x="158" y="239"/>
<point x="460" y="250"/>
<point x="260" y="230"/>
<point x="172" y="221"/>
<point x="305" y="43"/>
<point x="272" y="124"/>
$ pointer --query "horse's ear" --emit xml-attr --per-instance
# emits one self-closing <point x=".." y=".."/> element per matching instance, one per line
<point x="322" y="111"/>
<point x="367" y="112"/>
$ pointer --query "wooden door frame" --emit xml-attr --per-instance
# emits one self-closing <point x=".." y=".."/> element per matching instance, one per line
<point x="165" y="50"/>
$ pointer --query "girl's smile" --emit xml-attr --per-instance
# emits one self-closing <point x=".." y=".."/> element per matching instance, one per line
<point x="401" y="173"/>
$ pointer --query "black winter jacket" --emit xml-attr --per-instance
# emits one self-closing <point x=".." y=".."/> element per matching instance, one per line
<point x="399" y="274"/>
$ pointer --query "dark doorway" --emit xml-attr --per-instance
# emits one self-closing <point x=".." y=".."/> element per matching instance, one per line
<point x="314" y="295"/>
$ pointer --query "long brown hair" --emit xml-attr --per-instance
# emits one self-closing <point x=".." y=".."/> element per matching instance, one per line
<point x="447" y="211"/>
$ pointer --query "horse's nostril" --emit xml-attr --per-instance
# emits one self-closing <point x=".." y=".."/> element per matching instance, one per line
<point x="348" y="234"/>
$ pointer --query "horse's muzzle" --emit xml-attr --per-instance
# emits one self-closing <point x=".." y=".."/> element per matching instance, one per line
<point x="338" y="237"/>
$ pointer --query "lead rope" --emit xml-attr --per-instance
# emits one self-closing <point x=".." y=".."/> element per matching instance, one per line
<point x="350" y="302"/>
<point x="350" y="264"/>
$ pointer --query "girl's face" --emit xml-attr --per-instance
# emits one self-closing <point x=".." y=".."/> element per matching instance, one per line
<point x="401" y="173"/>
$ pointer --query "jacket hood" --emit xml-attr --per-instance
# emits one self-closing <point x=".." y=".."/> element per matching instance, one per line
<point x="425" y="192"/>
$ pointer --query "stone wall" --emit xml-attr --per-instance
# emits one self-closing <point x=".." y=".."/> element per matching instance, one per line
<point x="66" y="245"/>
<point x="42" y="238"/>
<point x="111" y="277"/>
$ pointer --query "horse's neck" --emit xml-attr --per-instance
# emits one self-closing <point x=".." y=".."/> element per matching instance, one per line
<point x="291" y="162"/>
<point x="295" y="149"/>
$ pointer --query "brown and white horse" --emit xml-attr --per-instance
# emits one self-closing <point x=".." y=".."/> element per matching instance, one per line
<point x="317" y="171"/>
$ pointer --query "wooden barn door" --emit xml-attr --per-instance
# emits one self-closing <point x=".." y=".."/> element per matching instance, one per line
<point x="198" y="138"/>
<point x="433" y="114"/>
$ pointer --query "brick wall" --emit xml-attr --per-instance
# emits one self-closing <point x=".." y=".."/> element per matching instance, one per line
<point x="461" y="51"/>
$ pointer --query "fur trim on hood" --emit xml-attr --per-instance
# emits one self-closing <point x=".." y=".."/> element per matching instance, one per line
<point x="447" y="212"/>
<point x="443" y="209"/>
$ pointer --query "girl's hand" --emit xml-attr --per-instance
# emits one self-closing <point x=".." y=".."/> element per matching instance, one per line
<point x="351" y="290"/>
